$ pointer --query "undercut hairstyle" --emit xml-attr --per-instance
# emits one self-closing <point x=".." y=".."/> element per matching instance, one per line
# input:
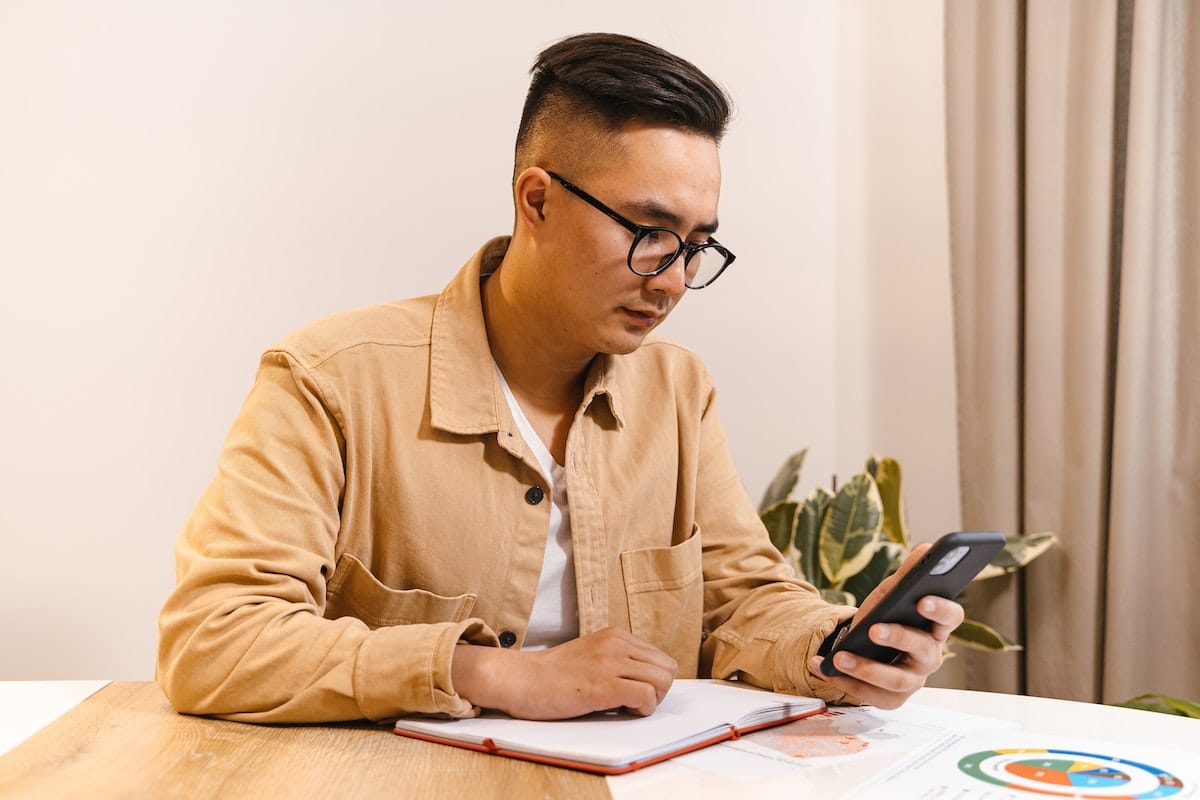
<point x="587" y="87"/>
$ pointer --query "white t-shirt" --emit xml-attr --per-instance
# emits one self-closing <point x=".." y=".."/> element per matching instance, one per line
<point x="555" y="615"/>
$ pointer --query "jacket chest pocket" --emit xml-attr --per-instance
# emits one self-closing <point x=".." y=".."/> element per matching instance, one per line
<point x="355" y="592"/>
<point x="664" y="588"/>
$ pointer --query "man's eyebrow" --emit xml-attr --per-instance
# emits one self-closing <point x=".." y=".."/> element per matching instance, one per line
<point x="667" y="218"/>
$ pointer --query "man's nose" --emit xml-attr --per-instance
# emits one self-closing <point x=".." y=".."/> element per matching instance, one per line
<point x="671" y="280"/>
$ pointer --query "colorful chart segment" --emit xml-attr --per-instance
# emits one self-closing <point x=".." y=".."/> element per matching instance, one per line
<point x="1065" y="773"/>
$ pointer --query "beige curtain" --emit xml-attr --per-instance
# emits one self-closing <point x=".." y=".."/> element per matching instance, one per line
<point x="1073" y="135"/>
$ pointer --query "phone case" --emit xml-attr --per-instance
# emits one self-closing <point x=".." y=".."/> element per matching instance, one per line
<point x="900" y="604"/>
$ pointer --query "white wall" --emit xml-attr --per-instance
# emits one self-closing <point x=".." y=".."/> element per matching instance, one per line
<point x="182" y="184"/>
<point x="895" y="373"/>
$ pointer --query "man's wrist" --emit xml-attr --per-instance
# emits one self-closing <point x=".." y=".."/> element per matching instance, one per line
<point x="477" y="676"/>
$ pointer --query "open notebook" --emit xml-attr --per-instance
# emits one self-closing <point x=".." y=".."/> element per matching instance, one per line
<point x="694" y="714"/>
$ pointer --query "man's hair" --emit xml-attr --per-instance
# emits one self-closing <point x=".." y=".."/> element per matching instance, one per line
<point x="606" y="81"/>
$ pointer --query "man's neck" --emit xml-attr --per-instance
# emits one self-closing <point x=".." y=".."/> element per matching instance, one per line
<point x="540" y="374"/>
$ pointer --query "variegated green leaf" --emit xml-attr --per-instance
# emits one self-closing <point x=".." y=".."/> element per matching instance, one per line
<point x="1147" y="702"/>
<point x="978" y="636"/>
<point x="1164" y="705"/>
<point x="838" y="597"/>
<point x="888" y="478"/>
<point x="784" y="482"/>
<point x="808" y="530"/>
<point x="1185" y="708"/>
<point x="850" y="531"/>
<point x="1017" y="553"/>
<point x="887" y="559"/>
<point x="780" y="521"/>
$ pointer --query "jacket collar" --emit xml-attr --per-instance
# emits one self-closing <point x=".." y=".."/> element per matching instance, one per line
<point x="464" y="394"/>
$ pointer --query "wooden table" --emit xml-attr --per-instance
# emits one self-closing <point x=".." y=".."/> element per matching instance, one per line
<point x="126" y="741"/>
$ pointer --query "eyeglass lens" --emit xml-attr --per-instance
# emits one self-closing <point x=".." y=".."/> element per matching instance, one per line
<point x="655" y="248"/>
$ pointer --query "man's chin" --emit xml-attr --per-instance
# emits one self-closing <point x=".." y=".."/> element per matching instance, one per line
<point x="625" y="345"/>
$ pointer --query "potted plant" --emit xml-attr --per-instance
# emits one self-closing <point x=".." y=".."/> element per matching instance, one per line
<point x="846" y="541"/>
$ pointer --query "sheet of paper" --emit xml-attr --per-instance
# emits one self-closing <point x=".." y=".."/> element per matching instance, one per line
<point x="1022" y="765"/>
<point x="853" y="734"/>
<point x="827" y="755"/>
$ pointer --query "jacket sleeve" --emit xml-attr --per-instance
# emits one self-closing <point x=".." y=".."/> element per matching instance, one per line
<point x="761" y="624"/>
<point x="242" y="635"/>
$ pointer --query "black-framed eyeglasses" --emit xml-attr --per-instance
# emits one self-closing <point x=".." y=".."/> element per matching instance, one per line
<point x="655" y="249"/>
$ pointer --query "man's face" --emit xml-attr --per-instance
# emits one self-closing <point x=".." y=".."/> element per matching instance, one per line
<point x="657" y="176"/>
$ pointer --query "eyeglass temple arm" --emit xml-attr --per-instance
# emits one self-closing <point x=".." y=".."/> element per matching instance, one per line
<point x="594" y="203"/>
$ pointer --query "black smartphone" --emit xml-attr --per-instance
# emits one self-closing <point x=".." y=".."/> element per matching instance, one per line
<point x="945" y="571"/>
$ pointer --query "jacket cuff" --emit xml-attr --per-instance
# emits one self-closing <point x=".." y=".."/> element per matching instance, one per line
<point x="834" y="637"/>
<point x="405" y="669"/>
<point x="820" y="641"/>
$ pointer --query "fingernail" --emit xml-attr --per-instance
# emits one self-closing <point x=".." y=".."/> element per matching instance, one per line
<point x="882" y="633"/>
<point x="847" y="661"/>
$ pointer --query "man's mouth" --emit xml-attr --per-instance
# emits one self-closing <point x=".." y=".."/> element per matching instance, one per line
<point x="645" y="318"/>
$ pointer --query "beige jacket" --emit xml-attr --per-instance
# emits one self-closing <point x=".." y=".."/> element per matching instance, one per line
<point x="372" y="508"/>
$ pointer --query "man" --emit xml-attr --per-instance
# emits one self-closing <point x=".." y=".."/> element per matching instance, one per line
<point x="508" y="496"/>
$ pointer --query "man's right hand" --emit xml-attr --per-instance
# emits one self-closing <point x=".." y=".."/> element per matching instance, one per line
<point x="608" y="669"/>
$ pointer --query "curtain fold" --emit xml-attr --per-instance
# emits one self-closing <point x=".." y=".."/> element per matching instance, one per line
<point x="983" y="98"/>
<point x="1070" y="68"/>
<point x="1154" y="528"/>
<point x="1073" y="175"/>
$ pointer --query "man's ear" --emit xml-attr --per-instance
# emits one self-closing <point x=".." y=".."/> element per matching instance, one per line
<point x="529" y="197"/>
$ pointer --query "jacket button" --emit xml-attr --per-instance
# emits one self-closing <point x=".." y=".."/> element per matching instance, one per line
<point x="508" y="639"/>
<point x="534" y="495"/>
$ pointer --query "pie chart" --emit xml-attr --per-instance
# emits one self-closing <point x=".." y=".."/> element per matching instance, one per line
<point x="1066" y="773"/>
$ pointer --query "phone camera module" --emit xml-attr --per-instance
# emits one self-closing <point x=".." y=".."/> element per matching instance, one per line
<point x="948" y="561"/>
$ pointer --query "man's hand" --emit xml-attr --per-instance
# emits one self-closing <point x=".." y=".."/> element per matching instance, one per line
<point x="600" y="671"/>
<point x="889" y="685"/>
